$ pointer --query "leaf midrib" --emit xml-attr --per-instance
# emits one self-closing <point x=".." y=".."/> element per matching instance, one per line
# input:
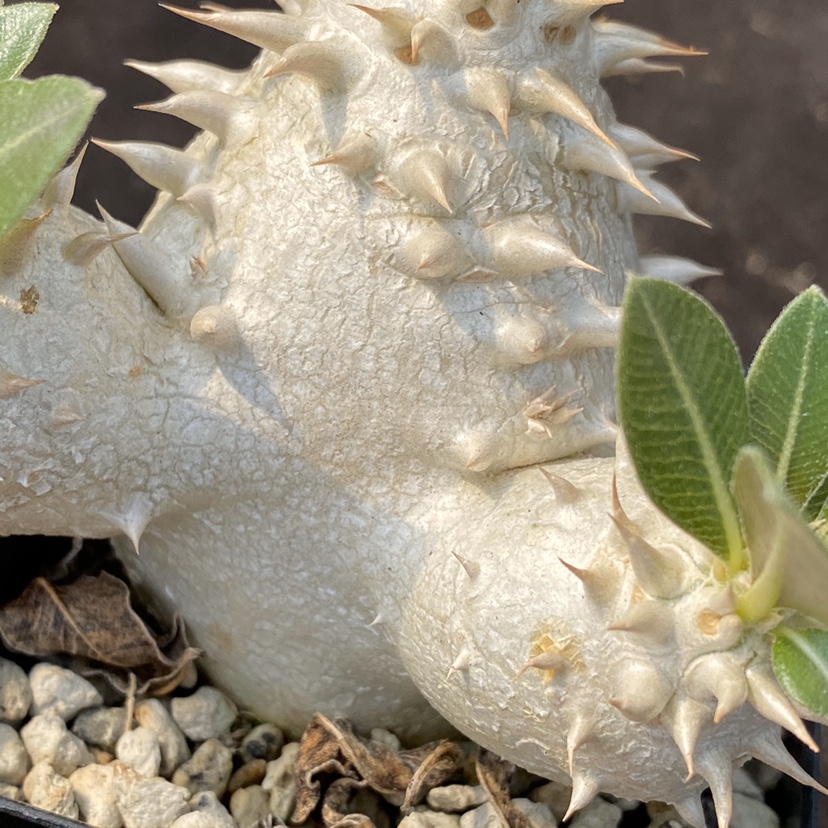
<point x="789" y="442"/>
<point x="720" y="491"/>
<point x="816" y="658"/>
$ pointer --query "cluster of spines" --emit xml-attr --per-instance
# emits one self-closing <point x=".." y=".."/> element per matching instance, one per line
<point x="639" y="590"/>
<point x="444" y="247"/>
<point x="633" y="590"/>
<point x="515" y="248"/>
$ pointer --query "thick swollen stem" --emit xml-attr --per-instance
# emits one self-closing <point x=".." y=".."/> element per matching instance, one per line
<point x="371" y="300"/>
<point x="118" y="429"/>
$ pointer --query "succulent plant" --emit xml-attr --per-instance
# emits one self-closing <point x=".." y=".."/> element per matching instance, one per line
<point x="348" y="391"/>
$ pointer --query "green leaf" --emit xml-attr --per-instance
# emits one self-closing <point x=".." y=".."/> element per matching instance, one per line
<point x="788" y="562"/>
<point x="800" y="661"/>
<point x="42" y="121"/>
<point x="787" y="390"/>
<point x="683" y="409"/>
<point x="22" y="29"/>
<point x="816" y="504"/>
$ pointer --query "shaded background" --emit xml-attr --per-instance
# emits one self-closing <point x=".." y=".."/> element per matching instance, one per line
<point x="755" y="110"/>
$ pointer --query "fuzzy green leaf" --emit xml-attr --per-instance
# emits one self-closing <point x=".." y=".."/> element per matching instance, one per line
<point x="22" y="29"/>
<point x="683" y="409"/>
<point x="789" y="563"/>
<point x="800" y="661"/>
<point x="787" y="392"/>
<point x="42" y="121"/>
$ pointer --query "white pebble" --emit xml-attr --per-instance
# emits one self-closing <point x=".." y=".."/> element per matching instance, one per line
<point x="281" y="783"/>
<point x="555" y="795"/>
<point x="206" y="714"/>
<point x="94" y="788"/>
<point x="537" y="814"/>
<point x="100" y="726"/>
<point x="456" y="797"/>
<point x="752" y="813"/>
<point x="208" y="769"/>
<point x="15" y="692"/>
<point x="207" y="802"/>
<point x="598" y="814"/>
<point x="385" y="737"/>
<point x="11" y="792"/>
<point x="47" y="740"/>
<point x="249" y="805"/>
<point x="147" y="803"/>
<point x="265" y="741"/>
<point x="46" y="789"/>
<point x="430" y="819"/>
<point x="139" y="749"/>
<point x="14" y="761"/>
<point x="201" y="819"/>
<point x="60" y="691"/>
<point x="152" y="715"/>
<point x="485" y="816"/>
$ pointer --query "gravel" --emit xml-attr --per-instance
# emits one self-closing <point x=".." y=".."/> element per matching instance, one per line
<point x="191" y="761"/>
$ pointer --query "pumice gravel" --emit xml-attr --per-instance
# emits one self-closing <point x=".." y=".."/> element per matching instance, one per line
<point x="193" y="761"/>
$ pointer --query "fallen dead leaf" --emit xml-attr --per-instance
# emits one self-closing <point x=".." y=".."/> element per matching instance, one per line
<point x="495" y="774"/>
<point x="330" y="746"/>
<point x="441" y="763"/>
<point x="92" y="619"/>
<point x="337" y="805"/>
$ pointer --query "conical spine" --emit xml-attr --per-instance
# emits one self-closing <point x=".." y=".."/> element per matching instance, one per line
<point x="11" y="384"/>
<point x="520" y="250"/>
<point x="584" y="789"/>
<point x="227" y="117"/>
<point x="586" y="152"/>
<point x="321" y="62"/>
<point x="674" y="269"/>
<point x="59" y="191"/>
<point x="190" y="75"/>
<point x="265" y="29"/>
<point x="165" y="168"/>
<point x="616" y="42"/>
<point x="488" y="90"/>
<point x="396" y="24"/>
<point x="432" y="44"/>
<point x="425" y="174"/>
<point x="767" y="697"/>
<point x="85" y="248"/>
<point x="16" y="245"/>
<point x="540" y="91"/>
<point x="645" y="151"/>
<point x="666" y="203"/>
<point x="661" y="573"/>
<point x="167" y="285"/>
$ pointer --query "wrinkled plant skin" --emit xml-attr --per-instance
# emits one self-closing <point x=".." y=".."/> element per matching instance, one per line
<point x="319" y="398"/>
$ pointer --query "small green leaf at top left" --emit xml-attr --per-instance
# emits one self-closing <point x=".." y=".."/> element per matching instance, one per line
<point x="42" y="121"/>
<point x="800" y="662"/>
<point x="22" y="29"/>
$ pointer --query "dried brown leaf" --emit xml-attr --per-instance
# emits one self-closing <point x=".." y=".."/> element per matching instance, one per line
<point x="337" y="810"/>
<point x="440" y="764"/>
<point x="318" y="753"/>
<point x="92" y="619"/>
<point x="401" y="778"/>
<point x="495" y="774"/>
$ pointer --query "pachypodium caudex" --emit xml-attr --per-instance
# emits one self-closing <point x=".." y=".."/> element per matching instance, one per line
<point x="349" y="391"/>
